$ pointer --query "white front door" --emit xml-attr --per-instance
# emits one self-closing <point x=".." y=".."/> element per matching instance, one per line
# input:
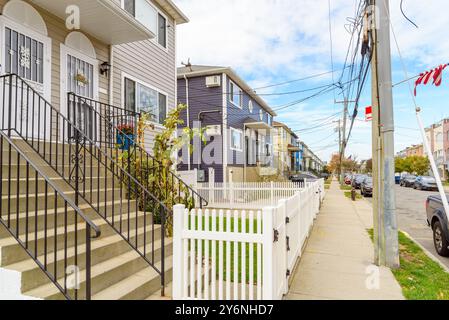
<point x="79" y="75"/>
<point x="28" y="54"/>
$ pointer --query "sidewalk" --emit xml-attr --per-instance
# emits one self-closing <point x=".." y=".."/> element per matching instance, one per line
<point x="334" y="264"/>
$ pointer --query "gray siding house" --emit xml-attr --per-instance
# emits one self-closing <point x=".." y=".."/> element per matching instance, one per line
<point x="238" y="121"/>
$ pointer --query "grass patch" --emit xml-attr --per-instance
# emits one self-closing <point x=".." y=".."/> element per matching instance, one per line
<point x="327" y="186"/>
<point x="420" y="277"/>
<point x="345" y="187"/>
<point x="357" y="195"/>
<point x="249" y="249"/>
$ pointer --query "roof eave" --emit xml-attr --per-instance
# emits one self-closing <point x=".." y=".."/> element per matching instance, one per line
<point x="235" y="78"/>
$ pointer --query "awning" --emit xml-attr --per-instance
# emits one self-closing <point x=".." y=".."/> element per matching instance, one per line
<point x="105" y="20"/>
<point x="251" y="124"/>
<point x="293" y="148"/>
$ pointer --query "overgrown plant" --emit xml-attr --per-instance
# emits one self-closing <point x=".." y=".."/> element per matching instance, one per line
<point x="156" y="174"/>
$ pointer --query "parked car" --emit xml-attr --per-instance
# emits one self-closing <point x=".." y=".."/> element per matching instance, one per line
<point x="397" y="178"/>
<point x="357" y="180"/>
<point x="407" y="181"/>
<point x="436" y="219"/>
<point x="348" y="179"/>
<point x="426" y="183"/>
<point x="301" y="177"/>
<point x="366" y="187"/>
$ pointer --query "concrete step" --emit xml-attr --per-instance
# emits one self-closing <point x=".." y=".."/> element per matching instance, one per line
<point x="11" y="203"/>
<point x="110" y="207"/>
<point x="111" y="273"/>
<point x="138" y="286"/>
<point x="103" y="249"/>
<point x="10" y="249"/>
<point x="22" y="183"/>
<point x="13" y="171"/>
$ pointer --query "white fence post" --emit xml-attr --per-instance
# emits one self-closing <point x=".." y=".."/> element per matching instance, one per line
<point x="178" y="265"/>
<point x="272" y="193"/>
<point x="267" y="278"/>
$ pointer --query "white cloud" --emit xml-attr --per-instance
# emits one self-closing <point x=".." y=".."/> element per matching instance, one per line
<point x="269" y="41"/>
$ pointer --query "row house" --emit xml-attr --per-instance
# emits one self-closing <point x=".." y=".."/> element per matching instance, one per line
<point x="73" y="72"/>
<point x="438" y="136"/>
<point x="239" y="125"/>
<point x="117" y="52"/>
<point x="311" y="162"/>
<point x="286" y="149"/>
<point x="414" y="150"/>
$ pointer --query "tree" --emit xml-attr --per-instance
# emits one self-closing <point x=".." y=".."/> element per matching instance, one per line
<point x="414" y="164"/>
<point x="369" y="165"/>
<point x="419" y="165"/>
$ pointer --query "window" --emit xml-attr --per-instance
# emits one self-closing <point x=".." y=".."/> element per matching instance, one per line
<point x="235" y="95"/>
<point x="162" y="31"/>
<point x="141" y="98"/>
<point x="250" y="106"/>
<point x="261" y="115"/>
<point x="146" y="14"/>
<point x="236" y="139"/>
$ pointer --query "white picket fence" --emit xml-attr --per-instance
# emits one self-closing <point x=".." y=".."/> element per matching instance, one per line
<point x="247" y="195"/>
<point x="241" y="255"/>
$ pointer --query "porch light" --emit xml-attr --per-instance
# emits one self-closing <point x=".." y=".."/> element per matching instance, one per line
<point x="105" y="67"/>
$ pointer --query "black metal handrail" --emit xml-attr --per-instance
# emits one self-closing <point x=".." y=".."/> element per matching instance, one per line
<point x="125" y="204"/>
<point x="110" y="119"/>
<point x="25" y="225"/>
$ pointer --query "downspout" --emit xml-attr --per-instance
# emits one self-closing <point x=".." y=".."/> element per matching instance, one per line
<point x="188" y="113"/>
<point x="111" y="75"/>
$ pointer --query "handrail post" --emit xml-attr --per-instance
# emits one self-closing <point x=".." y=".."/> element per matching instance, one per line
<point x="88" y="264"/>
<point x="77" y="166"/>
<point x="10" y="106"/>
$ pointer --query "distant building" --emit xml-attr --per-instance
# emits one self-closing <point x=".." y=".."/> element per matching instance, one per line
<point x="414" y="150"/>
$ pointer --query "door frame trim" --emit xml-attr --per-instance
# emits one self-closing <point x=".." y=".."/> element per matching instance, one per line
<point x="47" y="41"/>
<point x="64" y="51"/>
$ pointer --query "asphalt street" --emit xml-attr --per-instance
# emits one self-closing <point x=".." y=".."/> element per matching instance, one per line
<point x="411" y="212"/>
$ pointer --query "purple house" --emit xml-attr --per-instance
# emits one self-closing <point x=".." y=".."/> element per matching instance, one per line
<point x="238" y="124"/>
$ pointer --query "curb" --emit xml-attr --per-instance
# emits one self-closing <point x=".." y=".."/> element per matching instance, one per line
<point x="427" y="252"/>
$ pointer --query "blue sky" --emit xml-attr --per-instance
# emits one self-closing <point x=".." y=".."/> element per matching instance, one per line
<point x="271" y="41"/>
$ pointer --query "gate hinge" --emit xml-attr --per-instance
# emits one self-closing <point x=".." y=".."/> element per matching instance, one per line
<point x="287" y="220"/>
<point x="276" y="235"/>
<point x="288" y="243"/>
<point x="288" y="273"/>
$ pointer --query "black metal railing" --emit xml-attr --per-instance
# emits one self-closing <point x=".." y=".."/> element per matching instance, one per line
<point x="46" y="223"/>
<point x="126" y="205"/>
<point x="110" y="122"/>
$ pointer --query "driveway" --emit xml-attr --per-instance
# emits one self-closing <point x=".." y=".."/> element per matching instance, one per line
<point x="411" y="212"/>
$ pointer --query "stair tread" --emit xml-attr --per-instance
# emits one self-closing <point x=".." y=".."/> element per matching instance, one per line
<point x="60" y="210"/>
<point x="29" y="264"/>
<point x="70" y="228"/>
<point x="23" y="195"/>
<point x="98" y="269"/>
<point x="41" y="234"/>
<point x="127" y="285"/>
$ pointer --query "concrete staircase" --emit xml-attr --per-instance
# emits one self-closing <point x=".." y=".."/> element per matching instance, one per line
<point x="118" y="271"/>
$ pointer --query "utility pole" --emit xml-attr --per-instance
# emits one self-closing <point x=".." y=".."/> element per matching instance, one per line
<point x="343" y="142"/>
<point x="385" y="220"/>
<point x="340" y="146"/>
